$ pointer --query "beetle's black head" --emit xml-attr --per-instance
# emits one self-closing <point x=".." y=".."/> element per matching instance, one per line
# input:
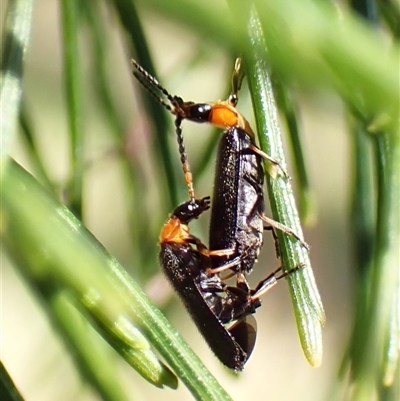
<point x="192" y="209"/>
<point x="199" y="112"/>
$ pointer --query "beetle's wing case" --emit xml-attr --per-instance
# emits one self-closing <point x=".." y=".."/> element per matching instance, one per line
<point x="179" y="263"/>
<point x="223" y="222"/>
<point x="238" y="200"/>
<point x="245" y="333"/>
<point x="250" y="201"/>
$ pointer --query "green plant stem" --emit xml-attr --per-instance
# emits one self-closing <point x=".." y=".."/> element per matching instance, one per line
<point x="16" y="41"/>
<point x="307" y="202"/>
<point x="383" y="293"/>
<point x="363" y="204"/>
<point x="33" y="150"/>
<point x="362" y="223"/>
<point x="373" y="356"/>
<point x="307" y="304"/>
<point x="74" y="97"/>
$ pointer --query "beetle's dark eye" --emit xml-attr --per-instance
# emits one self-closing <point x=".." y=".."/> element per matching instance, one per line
<point x="199" y="112"/>
<point x="188" y="211"/>
<point x="192" y="207"/>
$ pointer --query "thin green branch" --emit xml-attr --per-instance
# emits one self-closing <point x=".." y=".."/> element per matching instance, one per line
<point x="363" y="211"/>
<point x="305" y="297"/>
<point x="382" y="282"/>
<point x="27" y="131"/>
<point x="74" y="96"/>
<point x="305" y="192"/>
<point x="16" y="40"/>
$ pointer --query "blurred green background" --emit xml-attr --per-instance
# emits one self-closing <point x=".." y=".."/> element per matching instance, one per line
<point x="126" y="200"/>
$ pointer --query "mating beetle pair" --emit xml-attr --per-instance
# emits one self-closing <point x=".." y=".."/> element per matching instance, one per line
<point x="221" y="312"/>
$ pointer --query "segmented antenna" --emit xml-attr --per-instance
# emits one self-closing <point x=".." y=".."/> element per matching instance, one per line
<point x="149" y="83"/>
<point x="184" y="159"/>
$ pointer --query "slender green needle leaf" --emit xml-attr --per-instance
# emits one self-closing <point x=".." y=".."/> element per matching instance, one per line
<point x="94" y="360"/>
<point x="306" y="196"/>
<point x="28" y="132"/>
<point x="364" y="70"/>
<point x="74" y="97"/>
<point x="363" y="203"/>
<point x="306" y="300"/>
<point x="383" y="279"/>
<point x="391" y="361"/>
<point x="373" y="356"/>
<point x="16" y="40"/>
<point x="39" y="242"/>
<point x="362" y="223"/>
<point x="8" y="390"/>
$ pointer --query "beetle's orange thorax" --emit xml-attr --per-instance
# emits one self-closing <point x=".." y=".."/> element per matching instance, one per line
<point x="174" y="231"/>
<point x="224" y="115"/>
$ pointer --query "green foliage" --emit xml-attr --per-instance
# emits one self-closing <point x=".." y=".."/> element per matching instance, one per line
<point x="81" y="287"/>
